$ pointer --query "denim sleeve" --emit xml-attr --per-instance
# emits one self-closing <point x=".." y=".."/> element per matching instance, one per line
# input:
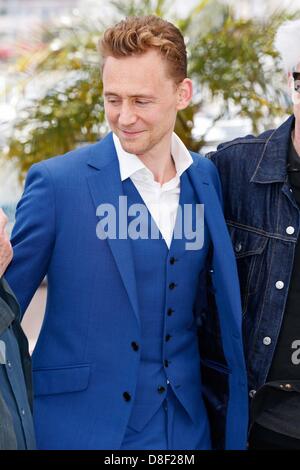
<point x="8" y="440"/>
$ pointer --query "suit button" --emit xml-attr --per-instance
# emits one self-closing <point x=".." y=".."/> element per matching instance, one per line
<point x="173" y="260"/>
<point x="168" y="337"/>
<point x="252" y="393"/>
<point x="161" y="389"/>
<point x="135" y="346"/>
<point x="170" y="312"/>
<point x="126" y="396"/>
<point x="172" y="285"/>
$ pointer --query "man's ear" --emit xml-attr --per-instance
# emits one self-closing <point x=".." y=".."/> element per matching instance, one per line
<point x="184" y="94"/>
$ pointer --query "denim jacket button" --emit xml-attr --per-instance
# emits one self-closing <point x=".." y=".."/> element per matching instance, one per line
<point x="290" y="230"/>
<point x="267" y="341"/>
<point x="279" y="285"/>
<point x="238" y="247"/>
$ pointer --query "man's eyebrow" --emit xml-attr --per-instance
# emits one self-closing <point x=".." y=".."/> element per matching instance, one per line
<point x="139" y="95"/>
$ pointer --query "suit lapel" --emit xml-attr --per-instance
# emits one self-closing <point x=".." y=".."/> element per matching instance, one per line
<point x="106" y="187"/>
<point x="212" y="207"/>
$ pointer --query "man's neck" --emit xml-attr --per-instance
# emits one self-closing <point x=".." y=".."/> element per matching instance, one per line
<point x="163" y="174"/>
<point x="163" y="169"/>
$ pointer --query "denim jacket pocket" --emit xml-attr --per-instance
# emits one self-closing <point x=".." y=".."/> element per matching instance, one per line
<point x="249" y="252"/>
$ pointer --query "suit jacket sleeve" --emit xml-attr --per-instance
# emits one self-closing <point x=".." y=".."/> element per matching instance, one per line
<point x="33" y="235"/>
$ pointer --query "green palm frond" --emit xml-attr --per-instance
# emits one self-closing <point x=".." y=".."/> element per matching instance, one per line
<point x="231" y="62"/>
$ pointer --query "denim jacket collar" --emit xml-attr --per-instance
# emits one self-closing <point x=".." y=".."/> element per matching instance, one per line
<point x="271" y="167"/>
<point x="8" y="305"/>
<point x="6" y="316"/>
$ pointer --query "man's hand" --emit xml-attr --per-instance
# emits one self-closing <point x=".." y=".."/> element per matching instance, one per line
<point x="6" y="251"/>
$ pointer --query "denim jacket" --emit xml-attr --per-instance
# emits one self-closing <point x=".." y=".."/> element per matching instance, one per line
<point x="263" y="220"/>
<point x="16" y="424"/>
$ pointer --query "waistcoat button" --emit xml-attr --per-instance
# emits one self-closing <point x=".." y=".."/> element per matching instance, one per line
<point x="135" y="346"/>
<point x="126" y="396"/>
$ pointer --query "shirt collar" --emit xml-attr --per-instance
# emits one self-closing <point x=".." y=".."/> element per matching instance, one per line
<point x="130" y="163"/>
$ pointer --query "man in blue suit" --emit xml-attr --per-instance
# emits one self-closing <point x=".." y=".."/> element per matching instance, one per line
<point x="131" y="355"/>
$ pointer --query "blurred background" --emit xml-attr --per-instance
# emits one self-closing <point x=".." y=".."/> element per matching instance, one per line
<point x="50" y="87"/>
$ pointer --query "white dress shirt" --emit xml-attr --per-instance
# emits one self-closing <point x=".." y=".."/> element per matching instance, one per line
<point x="161" y="200"/>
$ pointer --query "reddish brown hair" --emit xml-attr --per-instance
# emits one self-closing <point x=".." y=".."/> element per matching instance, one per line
<point x="137" y="34"/>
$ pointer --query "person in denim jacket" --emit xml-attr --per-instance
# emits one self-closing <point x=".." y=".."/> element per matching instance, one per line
<point x="16" y="425"/>
<point x="261" y="188"/>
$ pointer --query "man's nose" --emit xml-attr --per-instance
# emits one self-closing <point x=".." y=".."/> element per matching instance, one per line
<point x="127" y="115"/>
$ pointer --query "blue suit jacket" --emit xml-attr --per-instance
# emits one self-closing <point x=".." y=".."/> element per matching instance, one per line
<point x="83" y="361"/>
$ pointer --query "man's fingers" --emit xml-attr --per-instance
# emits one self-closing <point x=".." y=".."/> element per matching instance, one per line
<point x="6" y="251"/>
<point x="3" y="221"/>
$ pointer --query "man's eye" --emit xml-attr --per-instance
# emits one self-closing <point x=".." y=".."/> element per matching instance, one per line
<point x="113" y="101"/>
<point x="141" y="102"/>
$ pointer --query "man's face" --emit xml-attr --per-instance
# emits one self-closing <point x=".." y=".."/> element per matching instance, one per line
<point x="141" y="102"/>
<point x="296" y="95"/>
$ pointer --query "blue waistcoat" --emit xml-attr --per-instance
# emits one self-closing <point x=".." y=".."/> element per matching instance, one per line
<point x="167" y="282"/>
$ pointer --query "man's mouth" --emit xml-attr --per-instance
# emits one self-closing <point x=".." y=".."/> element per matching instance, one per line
<point x="130" y="133"/>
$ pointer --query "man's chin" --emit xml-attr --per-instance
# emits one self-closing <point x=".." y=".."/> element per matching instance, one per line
<point x="131" y="147"/>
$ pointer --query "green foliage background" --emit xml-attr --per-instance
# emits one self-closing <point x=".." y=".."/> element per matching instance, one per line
<point x="231" y="61"/>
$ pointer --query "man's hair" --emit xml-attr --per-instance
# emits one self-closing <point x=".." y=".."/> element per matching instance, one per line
<point x="287" y="43"/>
<point x="138" y="34"/>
